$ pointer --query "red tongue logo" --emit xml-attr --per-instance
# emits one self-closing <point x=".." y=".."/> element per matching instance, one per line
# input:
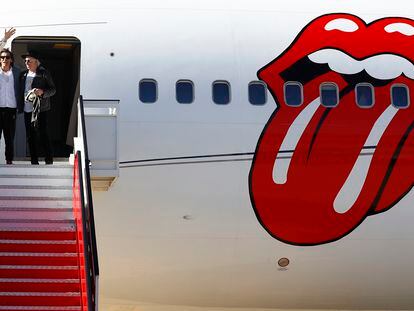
<point x="318" y="172"/>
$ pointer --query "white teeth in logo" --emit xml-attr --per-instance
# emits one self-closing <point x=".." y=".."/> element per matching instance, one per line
<point x="352" y="187"/>
<point x="342" y="24"/>
<point x="405" y="29"/>
<point x="382" y="66"/>
<point x="291" y="140"/>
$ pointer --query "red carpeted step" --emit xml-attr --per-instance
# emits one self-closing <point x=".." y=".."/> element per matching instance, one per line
<point x="41" y="308"/>
<point x="39" y="299"/>
<point x="37" y="235"/>
<point x="39" y="285"/>
<point x="39" y="259"/>
<point x="41" y="246"/>
<point x="39" y="272"/>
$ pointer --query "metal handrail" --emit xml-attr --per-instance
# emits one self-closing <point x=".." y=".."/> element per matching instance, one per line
<point x="79" y="204"/>
<point x="90" y="245"/>
<point x="89" y="189"/>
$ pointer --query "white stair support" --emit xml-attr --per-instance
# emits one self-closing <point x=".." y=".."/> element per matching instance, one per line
<point x="101" y="120"/>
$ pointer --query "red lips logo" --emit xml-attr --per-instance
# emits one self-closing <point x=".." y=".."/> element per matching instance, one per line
<point x="319" y="171"/>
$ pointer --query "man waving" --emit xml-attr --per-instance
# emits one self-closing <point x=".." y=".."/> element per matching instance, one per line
<point x="9" y="96"/>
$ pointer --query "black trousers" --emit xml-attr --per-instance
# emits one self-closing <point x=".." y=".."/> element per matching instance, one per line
<point x="8" y="128"/>
<point x="33" y="133"/>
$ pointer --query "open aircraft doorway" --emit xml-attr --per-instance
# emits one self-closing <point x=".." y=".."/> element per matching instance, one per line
<point x="61" y="56"/>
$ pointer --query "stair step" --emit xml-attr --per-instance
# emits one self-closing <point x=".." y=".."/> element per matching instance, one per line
<point x="39" y="272"/>
<point x="28" y="224"/>
<point x="33" y="221"/>
<point x="38" y="170"/>
<point x="34" y="180"/>
<point x="39" y="285"/>
<point x="35" y="202"/>
<point x="38" y="234"/>
<point x="40" y="191"/>
<point x="39" y="299"/>
<point x="68" y="221"/>
<point x="39" y="259"/>
<point x="41" y="246"/>
<point x="35" y="213"/>
<point x="39" y="308"/>
<point x="50" y="186"/>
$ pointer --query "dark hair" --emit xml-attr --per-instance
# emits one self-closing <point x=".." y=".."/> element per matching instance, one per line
<point x="10" y="53"/>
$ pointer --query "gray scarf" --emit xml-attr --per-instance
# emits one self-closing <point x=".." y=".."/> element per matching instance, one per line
<point x="33" y="98"/>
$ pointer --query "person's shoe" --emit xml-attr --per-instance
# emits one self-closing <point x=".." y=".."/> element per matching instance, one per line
<point x="34" y="162"/>
<point x="9" y="162"/>
<point x="49" y="162"/>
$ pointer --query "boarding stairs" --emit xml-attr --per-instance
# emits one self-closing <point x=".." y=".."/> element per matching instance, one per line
<point x="48" y="252"/>
<point x="39" y="259"/>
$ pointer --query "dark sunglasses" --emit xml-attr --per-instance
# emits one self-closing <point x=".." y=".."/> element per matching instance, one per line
<point x="5" y="57"/>
<point x="28" y="61"/>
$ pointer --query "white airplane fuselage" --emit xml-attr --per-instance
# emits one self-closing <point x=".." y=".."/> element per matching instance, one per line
<point x="183" y="233"/>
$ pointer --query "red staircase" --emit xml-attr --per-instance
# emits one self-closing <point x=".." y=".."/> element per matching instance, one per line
<point x="40" y="264"/>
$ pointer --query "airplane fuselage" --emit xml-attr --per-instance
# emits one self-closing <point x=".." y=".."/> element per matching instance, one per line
<point x="211" y="197"/>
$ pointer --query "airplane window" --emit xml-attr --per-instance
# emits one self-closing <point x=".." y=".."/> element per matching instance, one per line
<point x="221" y="92"/>
<point x="257" y="93"/>
<point x="329" y="94"/>
<point x="184" y="91"/>
<point x="400" y="96"/>
<point x="148" y="91"/>
<point x="364" y="93"/>
<point x="293" y="94"/>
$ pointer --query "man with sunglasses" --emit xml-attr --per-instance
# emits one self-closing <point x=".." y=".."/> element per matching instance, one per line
<point x="9" y="100"/>
<point x="37" y="87"/>
<point x="9" y="95"/>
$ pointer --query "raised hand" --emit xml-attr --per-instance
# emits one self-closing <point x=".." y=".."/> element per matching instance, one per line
<point x="9" y="33"/>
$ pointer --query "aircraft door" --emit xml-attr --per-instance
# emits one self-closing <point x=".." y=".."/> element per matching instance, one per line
<point x="61" y="57"/>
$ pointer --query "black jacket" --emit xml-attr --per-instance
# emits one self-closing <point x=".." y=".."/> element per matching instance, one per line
<point x="43" y="80"/>
<point x="17" y="86"/>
